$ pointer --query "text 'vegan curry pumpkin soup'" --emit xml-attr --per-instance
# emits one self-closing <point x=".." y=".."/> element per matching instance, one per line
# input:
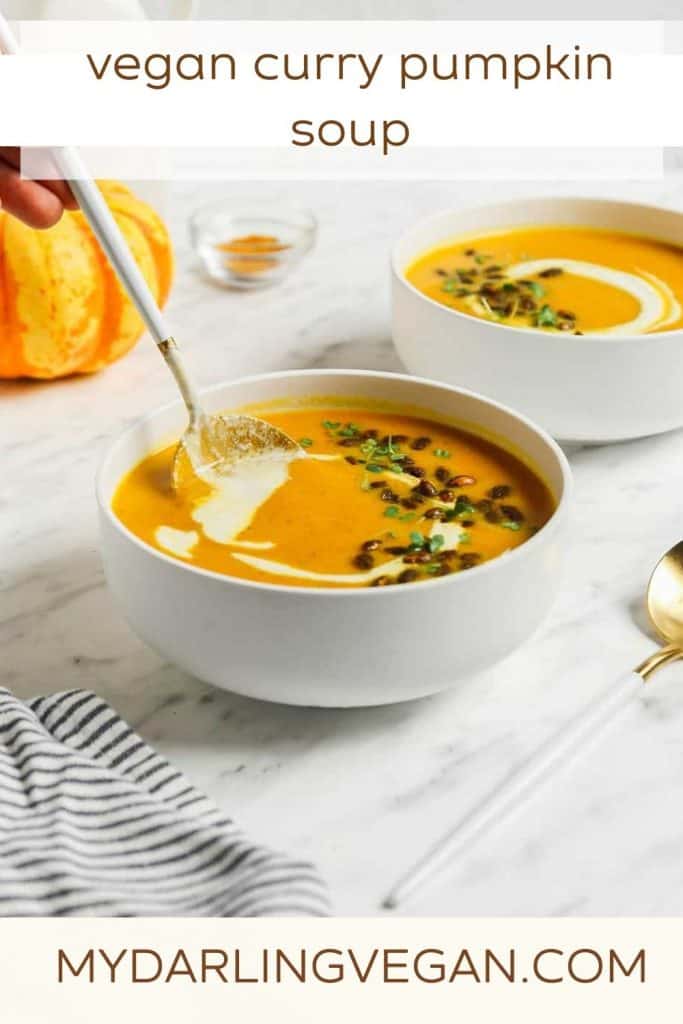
<point x="584" y="280"/>
<point x="380" y="498"/>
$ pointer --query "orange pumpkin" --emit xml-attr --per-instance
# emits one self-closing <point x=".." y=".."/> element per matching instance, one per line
<point x="62" y="309"/>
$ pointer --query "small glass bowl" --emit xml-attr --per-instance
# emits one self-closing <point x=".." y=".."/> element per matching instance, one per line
<point x="251" y="244"/>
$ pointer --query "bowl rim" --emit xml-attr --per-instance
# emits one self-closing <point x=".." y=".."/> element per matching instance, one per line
<point x="541" y="536"/>
<point x="529" y="332"/>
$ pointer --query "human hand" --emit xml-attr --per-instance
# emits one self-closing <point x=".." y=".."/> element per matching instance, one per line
<point x="39" y="204"/>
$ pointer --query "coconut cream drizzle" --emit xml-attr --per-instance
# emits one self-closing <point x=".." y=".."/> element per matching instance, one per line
<point x="229" y="508"/>
<point x="658" y="304"/>
<point x="451" y="533"/>
<point x="176" y="542"/>
<point x="236" y="498"/>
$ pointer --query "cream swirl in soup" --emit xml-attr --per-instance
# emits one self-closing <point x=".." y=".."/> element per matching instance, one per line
<point x="381" y="498"/>
<point x="583" y="281"/>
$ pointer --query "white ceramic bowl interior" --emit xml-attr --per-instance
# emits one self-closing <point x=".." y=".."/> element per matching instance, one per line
<point x="328" y="647"/>
<point x="586" y="389"/>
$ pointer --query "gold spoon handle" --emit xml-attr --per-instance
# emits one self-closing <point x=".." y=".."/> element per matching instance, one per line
<point x="169" y="350"/>
<point x="660" y="657"/>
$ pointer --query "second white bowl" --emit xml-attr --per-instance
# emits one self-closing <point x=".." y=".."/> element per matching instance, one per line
<point x="592" y="389"/>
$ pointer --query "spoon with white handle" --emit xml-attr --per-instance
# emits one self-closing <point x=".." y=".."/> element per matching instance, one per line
<point x="665" y="607"/>
<point x="211" y="444"/>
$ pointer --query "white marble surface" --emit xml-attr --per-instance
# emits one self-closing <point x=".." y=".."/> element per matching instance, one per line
<point x="364" y="792"/>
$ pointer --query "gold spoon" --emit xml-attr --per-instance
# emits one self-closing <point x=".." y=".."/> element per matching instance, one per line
<point x="665" y="607"/>
<point x="216" y="444"/>
<point x="211" y="444"/>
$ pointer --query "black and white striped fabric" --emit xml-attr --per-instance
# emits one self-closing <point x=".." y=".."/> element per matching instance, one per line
<point x="94" y="822"/>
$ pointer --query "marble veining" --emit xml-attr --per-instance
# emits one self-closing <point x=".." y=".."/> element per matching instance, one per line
<point x="364" y="792"/>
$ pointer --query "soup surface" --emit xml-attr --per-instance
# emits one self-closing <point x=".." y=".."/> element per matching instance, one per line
<point x="379" y="499"/>
<point x="581" y="280"/>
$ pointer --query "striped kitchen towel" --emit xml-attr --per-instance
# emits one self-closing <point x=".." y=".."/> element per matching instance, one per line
<point x="94" y="822"/>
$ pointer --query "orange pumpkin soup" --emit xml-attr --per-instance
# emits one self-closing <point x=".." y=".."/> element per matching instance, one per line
<point x="380" y="499"/>
<point x="573" y="279"/>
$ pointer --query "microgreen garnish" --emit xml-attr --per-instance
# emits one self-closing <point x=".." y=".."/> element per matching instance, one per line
<point x="329" y="425"/>
<point x="546" y="317"/>
<point x="461" y="508"/>
<point x="419" y="542"/>
<point x="502" y="299"/>
<point x="536" y="289"/>
<point x="349" y="430"/>
<point x="465" y="537"/>
<point x="442" y="453"/>
<point x="458" y="285"/>
<point x="382" y="457"/>
<point x="510" y="524"/>
<point x="392" y="512"/>
<point x="305" y="442"/>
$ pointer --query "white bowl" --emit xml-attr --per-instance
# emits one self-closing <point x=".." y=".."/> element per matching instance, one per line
<point x="592" y="389"/>
<point x="325" y="647"/>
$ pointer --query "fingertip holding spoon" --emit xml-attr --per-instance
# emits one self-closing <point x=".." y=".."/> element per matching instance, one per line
<point x="665" y="608"/>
